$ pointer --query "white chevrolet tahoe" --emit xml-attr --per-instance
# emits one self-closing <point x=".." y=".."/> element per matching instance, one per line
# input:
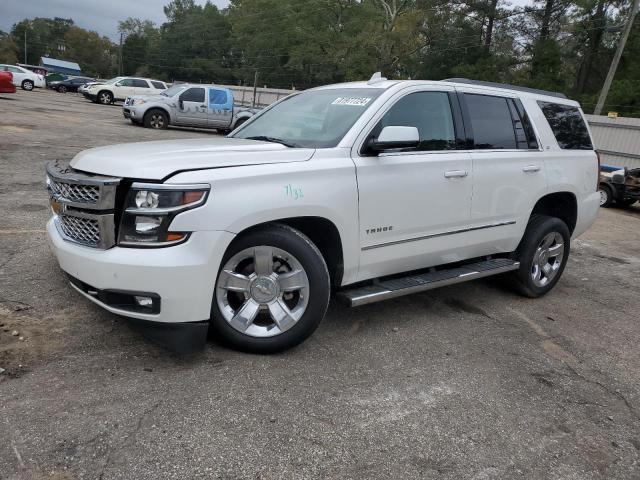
<point x="375" y="189"/>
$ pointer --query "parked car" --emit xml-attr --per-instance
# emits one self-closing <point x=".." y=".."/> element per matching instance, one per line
<point x="26" y="79"/>
<point x="70" y="84"/>
<point x="377" y="189"/>
<point x="619" y="187"/>
<point x="119" y="88"/>
<point x="6" y="82"/>
<point x="83" y="88"/>
<point x="188" y="105"/>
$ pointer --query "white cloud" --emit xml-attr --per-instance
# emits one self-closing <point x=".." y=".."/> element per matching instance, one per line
<point x="102" y="16"/>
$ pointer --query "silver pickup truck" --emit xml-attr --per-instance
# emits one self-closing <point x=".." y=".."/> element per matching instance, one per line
<point x="187" y="105"/>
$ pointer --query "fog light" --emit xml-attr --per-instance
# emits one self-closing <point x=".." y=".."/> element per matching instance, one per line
<point x="145" y="302"/>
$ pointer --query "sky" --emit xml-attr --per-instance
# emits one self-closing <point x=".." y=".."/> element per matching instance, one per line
<point x="99" y="15"/>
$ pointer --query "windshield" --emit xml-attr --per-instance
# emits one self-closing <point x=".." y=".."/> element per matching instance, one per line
<point x="170" y="92"/>
<point x="112" y="80"/>
<point x="314" y="119"/>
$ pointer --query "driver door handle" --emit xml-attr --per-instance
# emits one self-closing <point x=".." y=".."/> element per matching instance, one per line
<point x="531" y="168"/>
<point x="455" y="174"/>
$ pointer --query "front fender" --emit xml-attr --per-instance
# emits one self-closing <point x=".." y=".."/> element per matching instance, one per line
<point x="243" y="197"/>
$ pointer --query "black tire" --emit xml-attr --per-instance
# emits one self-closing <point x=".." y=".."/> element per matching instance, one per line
<point x="627" y="202"/>
<point x="308" y="255"/>
<point x="606" y="195"/>
<point x="240" y="122"/>
<point x="156" y="119"/>
<point x="538" y="228"/>
<point x="104" y="97"/>
<point x="62" y="89"/>
<point x="27" y="85"/>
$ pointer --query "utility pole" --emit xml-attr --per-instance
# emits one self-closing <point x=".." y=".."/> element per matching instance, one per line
<point x="255" y="89"/>
<point x="616" y="59"/>
<point x="120" y="56"/>
<point x="25" y="45"/>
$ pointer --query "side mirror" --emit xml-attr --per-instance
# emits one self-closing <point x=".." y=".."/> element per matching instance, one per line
<point x="393" y="137"/>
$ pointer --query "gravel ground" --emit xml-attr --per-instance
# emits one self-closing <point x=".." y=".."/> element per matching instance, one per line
<point x="465" y="382"/>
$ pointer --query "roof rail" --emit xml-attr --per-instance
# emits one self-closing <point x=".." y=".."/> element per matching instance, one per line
<point x="505" y="85"/>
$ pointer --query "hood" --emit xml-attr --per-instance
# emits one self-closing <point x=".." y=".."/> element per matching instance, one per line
<point x="158" y="160"/>
<point x="149" y="98"/>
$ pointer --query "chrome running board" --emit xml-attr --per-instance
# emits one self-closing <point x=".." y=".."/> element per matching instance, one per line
<point x="396" y="287"/>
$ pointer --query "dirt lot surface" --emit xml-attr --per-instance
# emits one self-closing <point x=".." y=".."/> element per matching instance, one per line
<point x="466" y="382"/>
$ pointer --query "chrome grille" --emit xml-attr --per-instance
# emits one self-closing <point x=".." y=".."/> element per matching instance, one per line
<point x="83" y="205"/>
<point x="81" y="230"/>
<point x="76" y="192"/>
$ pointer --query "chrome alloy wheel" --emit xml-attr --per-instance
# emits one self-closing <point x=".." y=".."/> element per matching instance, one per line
<point x="105" y="98"/>
<point x="547" y="259"/>
<point x="604" y="196"/>
<point x="156" y="120"/>
<point x="262" y="291"/>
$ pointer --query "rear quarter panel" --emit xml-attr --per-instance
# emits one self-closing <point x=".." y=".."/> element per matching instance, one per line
<point x="574" y="171"/>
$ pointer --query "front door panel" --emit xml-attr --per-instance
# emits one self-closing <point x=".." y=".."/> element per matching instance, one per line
<point x="415" y="205"/>
<point x="192" y="107"/>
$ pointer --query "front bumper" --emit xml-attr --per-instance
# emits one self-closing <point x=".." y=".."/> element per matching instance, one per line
<point x="182" y="276"/>
<point x="90" y="96"/>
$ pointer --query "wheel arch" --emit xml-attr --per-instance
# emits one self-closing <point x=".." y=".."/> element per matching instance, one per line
<point x="562" y="205"/>
<point x="157" y="107"/>
<point x="113" y="97"/>
<point x="322" y="232"/>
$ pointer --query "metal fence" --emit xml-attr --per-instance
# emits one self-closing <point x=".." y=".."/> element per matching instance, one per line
<point x="263" y="96"/>
<point x="617" y="140"/>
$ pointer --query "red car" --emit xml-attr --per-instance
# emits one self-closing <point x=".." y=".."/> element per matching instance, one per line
<point x="6" y="82"/>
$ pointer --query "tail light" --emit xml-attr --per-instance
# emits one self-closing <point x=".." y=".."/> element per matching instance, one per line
<point x="598" y="176"/>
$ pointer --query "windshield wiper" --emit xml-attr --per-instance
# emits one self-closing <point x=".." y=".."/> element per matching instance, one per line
<point x="264" y="138"/>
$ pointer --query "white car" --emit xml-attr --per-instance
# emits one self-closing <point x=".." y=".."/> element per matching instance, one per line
<point x="376" y="189"/>
<point x="26" y="79"/>
<point x="119" y="88"/>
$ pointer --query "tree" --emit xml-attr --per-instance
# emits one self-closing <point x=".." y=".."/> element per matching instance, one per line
<point x="94" y="54"/>
<point x="8" y="49"/>
<point x="45" y="37"/>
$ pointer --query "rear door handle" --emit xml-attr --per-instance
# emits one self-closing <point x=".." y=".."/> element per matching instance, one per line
<point x="455" y="173"/>
<point x="531" y="168"/>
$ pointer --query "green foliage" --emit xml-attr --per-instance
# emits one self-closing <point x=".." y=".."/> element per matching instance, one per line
<point x="559" y="45"/>
<point x="8" y="49"/>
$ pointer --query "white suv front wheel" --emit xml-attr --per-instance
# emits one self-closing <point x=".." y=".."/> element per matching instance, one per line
<point x="271" y="292"/>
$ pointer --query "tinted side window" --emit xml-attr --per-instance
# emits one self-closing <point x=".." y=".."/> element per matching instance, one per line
<point x="567" y="125"/>
<point x="430" y="113"/>
<point x="491" y="122"/>
<point x="193" y="95"/>
<point x="127" y="82"/>
<point x="158" y="85"/>
<point x="140" y="83"/>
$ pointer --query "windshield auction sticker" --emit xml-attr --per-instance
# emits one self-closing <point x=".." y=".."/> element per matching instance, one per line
<point x="351" y="101"/>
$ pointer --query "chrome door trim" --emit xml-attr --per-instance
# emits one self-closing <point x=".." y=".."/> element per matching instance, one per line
<point x="442" y="234"/>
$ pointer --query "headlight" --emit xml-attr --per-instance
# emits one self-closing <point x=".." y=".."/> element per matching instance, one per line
<point x="150" y="208"/>
<point x="138" y="101"/>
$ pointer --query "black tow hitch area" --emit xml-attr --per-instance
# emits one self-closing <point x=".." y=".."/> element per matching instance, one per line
<point x="182" y="338"/>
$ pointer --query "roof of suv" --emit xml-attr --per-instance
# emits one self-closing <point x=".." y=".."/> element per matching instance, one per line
<point x="460" y="82"/>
